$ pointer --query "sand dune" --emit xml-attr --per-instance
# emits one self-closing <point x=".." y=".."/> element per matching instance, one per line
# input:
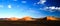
<point x="28" y="18"/>
<point x="52" y="18"/>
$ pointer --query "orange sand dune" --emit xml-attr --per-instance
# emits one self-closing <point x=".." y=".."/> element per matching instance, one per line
<point x="13" y="18"/>
<point x="51" y="18"/>
<point x="27" y="18"/>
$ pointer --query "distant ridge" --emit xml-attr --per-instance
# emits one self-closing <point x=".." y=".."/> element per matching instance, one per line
<point x="28" y="18"/>
<point x="52" y="18"/>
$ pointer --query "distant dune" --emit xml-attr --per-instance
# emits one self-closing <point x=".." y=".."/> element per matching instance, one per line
<point x="28" y="18"/>
<point x="52" y="18"/>
<point x="29" y="21"/>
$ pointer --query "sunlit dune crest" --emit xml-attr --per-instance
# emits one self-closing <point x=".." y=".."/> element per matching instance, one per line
<point x="27" y="18"/>
<point x="51" y="18"/>
<point x="13" y="18"/>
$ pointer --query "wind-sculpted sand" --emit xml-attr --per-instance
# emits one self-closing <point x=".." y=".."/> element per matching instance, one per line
<point x="28" y="21"/>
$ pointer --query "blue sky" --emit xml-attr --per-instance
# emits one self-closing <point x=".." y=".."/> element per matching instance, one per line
<point x="33" y="8"/>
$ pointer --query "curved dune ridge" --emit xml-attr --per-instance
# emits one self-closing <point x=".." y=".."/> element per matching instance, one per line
<point x="28" y="18"/>
<point x="52" y="18"/>
<point x="13" y="18"/>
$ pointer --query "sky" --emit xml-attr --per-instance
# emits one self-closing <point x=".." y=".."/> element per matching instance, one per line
<point x="33" y="8"/>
